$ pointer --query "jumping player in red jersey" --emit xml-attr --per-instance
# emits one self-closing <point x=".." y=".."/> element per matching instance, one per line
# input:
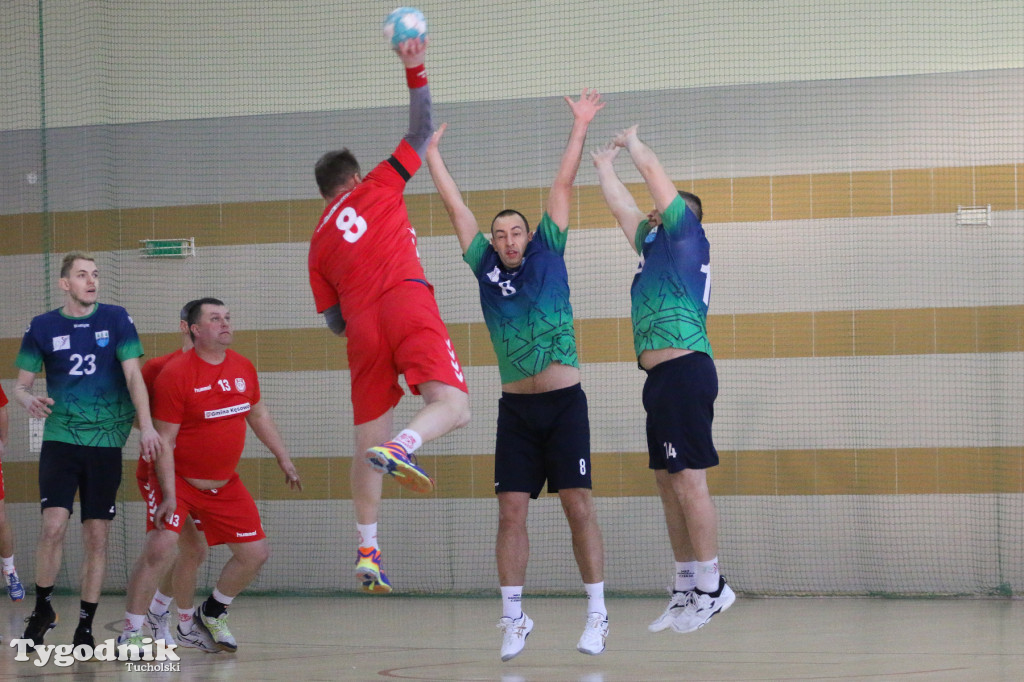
<point x="368" y="282"/>
<point x="204" y="399"/>
<point x="180" y="579"/>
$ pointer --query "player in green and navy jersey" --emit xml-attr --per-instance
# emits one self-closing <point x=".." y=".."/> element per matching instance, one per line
<point x="94" y="385"/>
<point x="670" y="295"/>
<point x="543" y="427"/>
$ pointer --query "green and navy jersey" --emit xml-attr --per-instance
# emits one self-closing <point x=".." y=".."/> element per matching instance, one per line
<point x="82" y="357"/>
<point x="672" y="286"/>
<point x="527" y="310"/>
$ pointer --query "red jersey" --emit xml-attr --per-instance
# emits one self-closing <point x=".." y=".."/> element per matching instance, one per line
<point x="364" y="244"/>
<point x="153" y="367"/>
<point x="210" y="402"/>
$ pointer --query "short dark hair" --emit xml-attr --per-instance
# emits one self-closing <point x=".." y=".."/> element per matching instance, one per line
<point x="186" y="308"/>
<point x="195" y="310"/>
<point x="333" y="170"/>
<point x="510" y="212"/>
<point x="71" y="257"/>
<point x="693" y="201"/>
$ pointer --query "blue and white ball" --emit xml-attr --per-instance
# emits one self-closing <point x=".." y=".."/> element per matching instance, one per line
<point x="405" y="23"/>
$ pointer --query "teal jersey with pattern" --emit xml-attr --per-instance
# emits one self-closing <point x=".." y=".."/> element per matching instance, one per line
<point x="527" y="310"/>
<point x="672" y="286"/>
<point x="82" y="358"/>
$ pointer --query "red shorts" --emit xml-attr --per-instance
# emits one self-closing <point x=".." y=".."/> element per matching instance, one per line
<point x="402" y="334"/>
<point x="227" y="514"/>
<point x="143" y="471"/>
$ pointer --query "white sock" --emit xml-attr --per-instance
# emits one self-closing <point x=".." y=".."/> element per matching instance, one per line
<point x="161" y="603"/>
<point x="707" y="575"/>
<point x="512" y="602"/>
<point x="132" y="622"/>
<point x="595" y="598"/>
<point x="8" y="564"/>
<point x="367" y="535"/>
<point x="686" y="576"/>
<point x="185" y="620"/>
<point x="409" y="439"/>
<point x="226" y="600"/>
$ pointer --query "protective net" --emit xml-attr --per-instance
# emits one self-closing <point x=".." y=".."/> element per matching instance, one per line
<point x="861" y="166"/>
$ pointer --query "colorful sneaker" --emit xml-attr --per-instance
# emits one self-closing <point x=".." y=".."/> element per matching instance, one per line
<point x="391" y="458"/>
<point x="698" y="612"/>
<point x="39" y="623"/>
<point x="370" y="572"/>
<point x="197" y="638"/>
<point x="595" y="632"/>
<point x="160" y="626"/>
<point x="133" y="638"/>
<point x="217" y="628"/>
<point x="675" y="606"/>
<point x="514" y="636"/>
<point x="14" y="587"/>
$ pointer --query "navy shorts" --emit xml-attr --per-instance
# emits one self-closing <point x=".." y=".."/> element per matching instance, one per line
<point x="542" y="436"/>
<point x="679" y="397"/>
<point x="94" y="472"/>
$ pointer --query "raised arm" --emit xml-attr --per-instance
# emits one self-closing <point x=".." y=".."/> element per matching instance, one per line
<point x="618" y="198"/>
<point x="559" y="198"/>
<point x="413" y="54"/>
<point x="462" y="218"/>
<point x="265" y="428"/>
<point x="659" y="184"/>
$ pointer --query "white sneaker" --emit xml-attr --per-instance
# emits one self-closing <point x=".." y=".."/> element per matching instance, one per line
<point x="595" y="632"/>
<point x="698" y="612"/>
<point x="675" y="606"/>
<point x="158" y="625"/>
<point x="515" y="634"/>
<point x="197" y="638"/>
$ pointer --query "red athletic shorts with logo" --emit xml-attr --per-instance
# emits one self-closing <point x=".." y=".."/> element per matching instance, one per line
<point x="401" y="334"/>
<point x="227" y="514"/>
<point x="143" y="471"/>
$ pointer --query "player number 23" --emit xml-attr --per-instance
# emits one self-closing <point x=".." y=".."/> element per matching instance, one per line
<point x="351" y="224"/>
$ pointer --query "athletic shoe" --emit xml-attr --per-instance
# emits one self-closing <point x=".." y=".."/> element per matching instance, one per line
<point x="704" y="605"/>
<point x="391" y="458"/>
<point x="217" y="628"/>
<point x="14" y="587"/>
<point x="595" y="632"/>
<point x="675" y="606"/>
<point x="133" y="638"/>
<point x="83" y="635"/>
<point x="160" y="626"/>
<point x="369" y="571"/>
<point x="39" y="623"/>
<point x="514" y="636"/>
<point x="197" y="638"/>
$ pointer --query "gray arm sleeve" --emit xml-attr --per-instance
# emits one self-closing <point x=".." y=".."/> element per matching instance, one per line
<point x="335" y="322"/>
<point x="421" y="122"/>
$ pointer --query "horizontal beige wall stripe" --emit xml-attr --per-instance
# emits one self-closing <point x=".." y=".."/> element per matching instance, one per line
<point x="886" y="471"/>
<point x="914" y="331"/>
<point x="789" y="197"/>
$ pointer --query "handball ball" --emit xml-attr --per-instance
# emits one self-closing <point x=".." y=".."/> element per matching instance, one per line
<point x="405" y="23"/>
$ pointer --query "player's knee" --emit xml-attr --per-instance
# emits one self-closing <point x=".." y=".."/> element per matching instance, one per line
<point x="461" y="407"/>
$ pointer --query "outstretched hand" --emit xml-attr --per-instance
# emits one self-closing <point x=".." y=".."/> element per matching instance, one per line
<point x="413" y="52"/>
<point x="605" y="154"/>
<point x="626" y="137"/>
<point x="435" y="139"/>
<point x="586" y="107"/>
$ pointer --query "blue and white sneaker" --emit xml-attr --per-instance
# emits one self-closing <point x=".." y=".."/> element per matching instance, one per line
<point x="14" y="587"/>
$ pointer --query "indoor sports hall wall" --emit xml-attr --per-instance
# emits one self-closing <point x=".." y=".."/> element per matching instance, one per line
<point x="870" y="348"/>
